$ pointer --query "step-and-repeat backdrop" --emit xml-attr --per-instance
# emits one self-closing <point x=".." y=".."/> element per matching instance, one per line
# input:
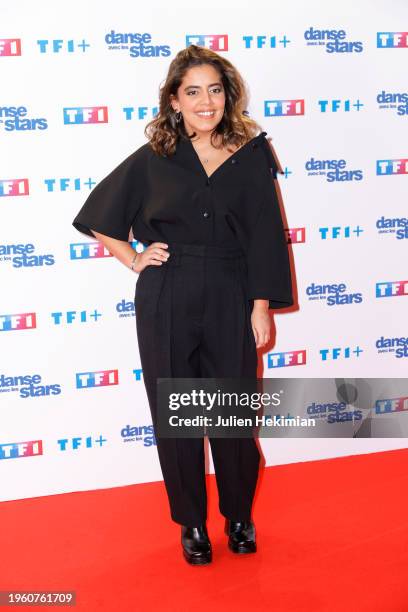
<point x="78" y="84"/>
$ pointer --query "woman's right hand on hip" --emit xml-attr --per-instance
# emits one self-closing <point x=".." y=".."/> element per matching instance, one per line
<point x="154" y="255"/>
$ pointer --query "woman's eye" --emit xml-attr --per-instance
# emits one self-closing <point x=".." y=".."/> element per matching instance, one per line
<point x="215" y="90"/>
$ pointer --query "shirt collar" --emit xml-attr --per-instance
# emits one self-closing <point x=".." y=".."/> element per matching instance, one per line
<point x="186" y="156"/>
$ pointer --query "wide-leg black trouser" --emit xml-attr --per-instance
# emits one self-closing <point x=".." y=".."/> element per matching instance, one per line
<point x="193" y="321"/>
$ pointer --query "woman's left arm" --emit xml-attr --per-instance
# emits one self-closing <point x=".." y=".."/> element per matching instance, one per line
<point x="269" y="274"/>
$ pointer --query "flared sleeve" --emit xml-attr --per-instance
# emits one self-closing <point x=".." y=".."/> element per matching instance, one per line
<point x="113" y="204"/>
<point x="269" y="274"/>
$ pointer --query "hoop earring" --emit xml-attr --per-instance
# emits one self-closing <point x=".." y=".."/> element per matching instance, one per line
<point x="178" y="116"/>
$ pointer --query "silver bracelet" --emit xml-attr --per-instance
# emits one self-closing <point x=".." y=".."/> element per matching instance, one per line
<point x="133" y="261"/>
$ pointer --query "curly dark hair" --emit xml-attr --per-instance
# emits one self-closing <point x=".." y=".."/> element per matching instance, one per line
<point x="236" y="128"/>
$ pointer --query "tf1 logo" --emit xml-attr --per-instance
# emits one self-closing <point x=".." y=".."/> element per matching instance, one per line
<point x="17" y="450"/>
<point x="284" y="108"/>
<point x="392" y="40"/>
<point x="10" y="46"/>
<point x="392" y="166"/>
<point x="103" y="378"/>
<point x="13" y="322"/>
<point x="285" y="359"/>
<point x="216" y="42"/>
<point x="391" y="289"/>
<point x="295" y="235"/>
<point x="88" y="250"/>
<point x="395" y="404"/>
<point x="80" y="115"/>
<point x="14" y="187"/>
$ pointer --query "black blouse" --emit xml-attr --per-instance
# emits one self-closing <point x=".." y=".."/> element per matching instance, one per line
<point x="171" y="199"/>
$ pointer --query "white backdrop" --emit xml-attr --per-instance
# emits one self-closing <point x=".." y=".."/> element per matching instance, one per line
<point x="56" y="437"/>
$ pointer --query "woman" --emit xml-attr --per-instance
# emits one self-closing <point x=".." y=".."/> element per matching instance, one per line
<point x="201" y="195"/>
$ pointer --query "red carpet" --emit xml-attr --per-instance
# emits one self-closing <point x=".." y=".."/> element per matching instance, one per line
<point x="332" y="536"/>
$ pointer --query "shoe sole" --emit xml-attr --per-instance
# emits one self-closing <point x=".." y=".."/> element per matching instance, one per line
<point x="204" y="560"/>
<point x="242" y="550"/>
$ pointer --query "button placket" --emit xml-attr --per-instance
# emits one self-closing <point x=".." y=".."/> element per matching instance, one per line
<point x="206" y="212"/>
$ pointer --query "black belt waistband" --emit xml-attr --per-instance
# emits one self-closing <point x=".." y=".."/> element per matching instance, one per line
<point x="204" y="250"/>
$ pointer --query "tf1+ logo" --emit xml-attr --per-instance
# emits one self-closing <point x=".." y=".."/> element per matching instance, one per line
<point x="392" y="40"/>
<point x="10" y="46"/>
<point x="259" y="42"/>
<point x="14" y="187"/>
<point x="391" y="289"/>
<point x="58" y="45"/>
<point x="392" y="166"/>
<point x="333" y="169"/>
<point x="216" y="42"/>
<point x="339" y="352"/>
<point x="80" y="442"/>
<point x="335" y="106"/>
<point x="338" y="231"/>
<point x="284" y="108"/>
<point x="70" y="316"/>
<point x="68" y="184"/>
<point x="13" y="322"/>
<point x="103" y="378"/>
<point x="79" y="115"/>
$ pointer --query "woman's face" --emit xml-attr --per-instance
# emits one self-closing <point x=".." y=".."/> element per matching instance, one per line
<point x="201" y="99"/>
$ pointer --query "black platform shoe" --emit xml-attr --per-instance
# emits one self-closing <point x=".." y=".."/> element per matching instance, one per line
<point x="196" y="545"/>
<point x="241" y="536"/>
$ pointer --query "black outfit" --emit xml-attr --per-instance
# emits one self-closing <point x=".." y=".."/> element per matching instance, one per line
<point x="193" y="313"/>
